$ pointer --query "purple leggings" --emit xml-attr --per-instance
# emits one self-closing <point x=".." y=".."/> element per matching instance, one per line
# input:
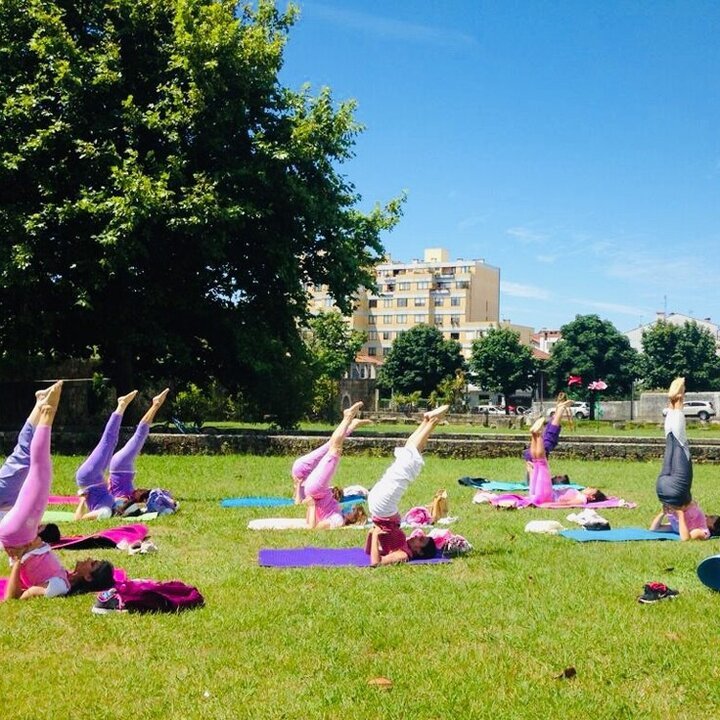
<point x="20" y="525"/>
<point x="15" y="468"/>
<point x="122" y="465"/>
<point x="90" y="476"/>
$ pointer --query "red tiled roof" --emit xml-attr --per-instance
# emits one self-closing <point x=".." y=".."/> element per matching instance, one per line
<point x="540" y="354"/>
<point x="371" y="359"/>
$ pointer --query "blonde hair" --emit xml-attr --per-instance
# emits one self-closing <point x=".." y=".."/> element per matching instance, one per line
<point x="677" y="388"/>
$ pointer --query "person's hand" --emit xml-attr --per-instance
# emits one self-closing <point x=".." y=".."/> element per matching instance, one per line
<point x="378" y="531"/>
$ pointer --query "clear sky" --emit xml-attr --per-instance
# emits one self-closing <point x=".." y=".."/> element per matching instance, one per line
<point x="573" y="144"/>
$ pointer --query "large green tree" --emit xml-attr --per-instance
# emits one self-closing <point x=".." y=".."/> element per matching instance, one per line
<point x="332" y="346"/>
<point x="592" y="349"/>
<point x="165" y="199"/>
<point x="687" y="350"/>
<point x="419" y="360"/>
<point x="501" y="363"/>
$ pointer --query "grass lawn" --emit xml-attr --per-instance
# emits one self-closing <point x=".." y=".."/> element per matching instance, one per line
<point x="484" y="637"/>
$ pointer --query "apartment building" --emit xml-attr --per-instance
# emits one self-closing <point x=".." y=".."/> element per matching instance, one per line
<point x="460" y="297"/>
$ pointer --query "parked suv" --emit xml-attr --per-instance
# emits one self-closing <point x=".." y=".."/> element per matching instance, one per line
<point x="701" y="409"/>
<point x="579" y="410"/>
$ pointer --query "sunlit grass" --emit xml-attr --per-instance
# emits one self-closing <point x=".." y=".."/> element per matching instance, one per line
<point x="485" y="636"/>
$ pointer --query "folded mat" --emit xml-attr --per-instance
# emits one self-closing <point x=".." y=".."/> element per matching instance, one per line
<point x="325" y="557"/>
<point x="276" y="501"/>
<point x="104" y="538"/>
<point x="119" y="576"/>
<point x="63" y="500"/>
<point x="625" y="534"/>
<point x="506" y="486"/>
<point x="518" y="501"/>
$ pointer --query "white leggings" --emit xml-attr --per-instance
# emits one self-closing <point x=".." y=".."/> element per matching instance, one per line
<point x="384" y="498"/>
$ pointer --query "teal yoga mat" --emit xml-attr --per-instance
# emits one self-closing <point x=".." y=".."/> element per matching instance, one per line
<point x="626" y="534"/>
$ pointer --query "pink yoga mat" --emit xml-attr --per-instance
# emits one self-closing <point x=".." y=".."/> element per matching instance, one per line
<point x="63" y="500"/>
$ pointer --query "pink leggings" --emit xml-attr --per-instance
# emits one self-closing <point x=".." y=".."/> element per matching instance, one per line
<point x="20" y="525"/>
<point x="317" y="484"/>
<point x="540" y="490"/>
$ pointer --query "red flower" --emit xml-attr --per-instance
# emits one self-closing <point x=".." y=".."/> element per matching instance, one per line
<point x="574" y="380"/>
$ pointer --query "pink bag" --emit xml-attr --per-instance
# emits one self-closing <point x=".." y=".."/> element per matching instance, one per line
<point x="154" y="596"/>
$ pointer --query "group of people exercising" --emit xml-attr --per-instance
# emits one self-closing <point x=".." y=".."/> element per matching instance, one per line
<point x="106" y="480"/>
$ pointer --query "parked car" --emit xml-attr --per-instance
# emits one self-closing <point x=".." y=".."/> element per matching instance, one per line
<point x="701" y="409"/>
<point x="579" y="410"/>
<point x="489" y="409"/>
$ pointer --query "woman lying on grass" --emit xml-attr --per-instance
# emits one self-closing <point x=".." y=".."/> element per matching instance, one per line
<point x="35" y="569"/>
<point x="387" y="543"/>
<point x="313" y="472"/>
<point x="100" y="498"/>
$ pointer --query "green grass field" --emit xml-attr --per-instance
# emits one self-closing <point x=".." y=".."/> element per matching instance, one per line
<point x="484" y="637"/>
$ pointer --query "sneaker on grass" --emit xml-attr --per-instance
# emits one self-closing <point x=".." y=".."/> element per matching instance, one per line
<point x="107" y="601"/>
<point x="655" y="591"/>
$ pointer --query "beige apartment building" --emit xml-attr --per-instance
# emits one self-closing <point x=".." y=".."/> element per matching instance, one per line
<point x="460" y="297"/>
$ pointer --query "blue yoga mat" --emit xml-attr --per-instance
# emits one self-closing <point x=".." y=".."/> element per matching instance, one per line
<point x="323" y="557"/>
<point x="626" y="534"/>
<point x="277" y="501"/>
<point x="709" y="572"/>
<point x="507" y="486"/>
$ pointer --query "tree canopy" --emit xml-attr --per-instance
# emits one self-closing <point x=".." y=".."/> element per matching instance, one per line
<point x="501" y="363"/>
<point x="419" y="360"/>
<point x="687" y="350"/>
<point x="592" y="349"/>
<point x="165" y="199"/>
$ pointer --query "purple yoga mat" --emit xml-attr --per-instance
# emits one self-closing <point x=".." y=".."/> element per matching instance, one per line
<point x="322" y="557"/>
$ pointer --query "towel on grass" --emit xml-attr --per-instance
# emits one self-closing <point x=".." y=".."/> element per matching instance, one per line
<point x="323" y="557"/>
<point x="280" y="523"/>
<point x="626" y="534"/>
<point x="510" y="500"/>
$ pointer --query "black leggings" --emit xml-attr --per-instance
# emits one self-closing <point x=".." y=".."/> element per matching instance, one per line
<point x="675" y="479"/>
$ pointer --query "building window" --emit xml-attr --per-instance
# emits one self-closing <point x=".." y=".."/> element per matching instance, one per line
<point x="423" y="285"/>
<point x="371" y="320"/>
<point x="372" y="351"/>
<point x="387" y="302"/>
<point x="420" y="318"/>
<point x="372" y="335"/>
<point x="462" y="284"/>
<point x="455" y="320"/>
<point x="454" y="336"/>
<point x="401" y="319"/>
<point x="419" y="302"/>
<point x="404" y="286"/>
<point x="439" y="302"/>
<point x="387" y="319"/>
<point x="386" y="335"/>
<point x="455" y="301"/>
<point x="372" y="303"/>
<point x="402" y="302"/>
<point x="439" y="320"/>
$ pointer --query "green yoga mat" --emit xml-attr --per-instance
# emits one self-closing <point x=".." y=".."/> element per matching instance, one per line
<point x="56" y="516"/>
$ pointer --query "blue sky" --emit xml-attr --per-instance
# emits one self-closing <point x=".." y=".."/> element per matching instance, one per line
<point x="573" y="144"/>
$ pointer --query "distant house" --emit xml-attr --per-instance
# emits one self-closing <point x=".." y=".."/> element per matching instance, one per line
<point x="544" y="340"/>
<point x="635" y="335"/>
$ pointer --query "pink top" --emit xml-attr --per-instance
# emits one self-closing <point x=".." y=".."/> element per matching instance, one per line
<point x="694" y="519"/>
<point x="394" y="538"/>
<point x="38" y="569"/>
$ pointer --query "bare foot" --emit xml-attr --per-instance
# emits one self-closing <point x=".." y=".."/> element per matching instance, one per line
<point x="353" y="410"/>
<point x="438" y="412"/>
<point x="159" y="399"/>
<point x="52" y="397"/>
<point x="125" y="400"/>
<point x="537" y="426"/>
<point x="47" y="414"/>
<point x="41" y="395"/>
<point x="563" y="405"/>
<point x="358" y="422"/>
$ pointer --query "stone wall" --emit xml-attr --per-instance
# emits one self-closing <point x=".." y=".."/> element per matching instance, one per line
<point x="455" y="446"/>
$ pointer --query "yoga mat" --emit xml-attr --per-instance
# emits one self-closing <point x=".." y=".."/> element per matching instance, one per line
<point x="104" y="538"/>
<point x="277" y="501"/>
<point x="709" y="572"/>
<point x="57" y="516"/>
<point x="322" y="557"/>
<point x="626" y="534"/>
<point x="506" y="486"/>
<point x="63" y="500"/>
<point x="119" y="575"/>
<point x="280" y="523"/>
